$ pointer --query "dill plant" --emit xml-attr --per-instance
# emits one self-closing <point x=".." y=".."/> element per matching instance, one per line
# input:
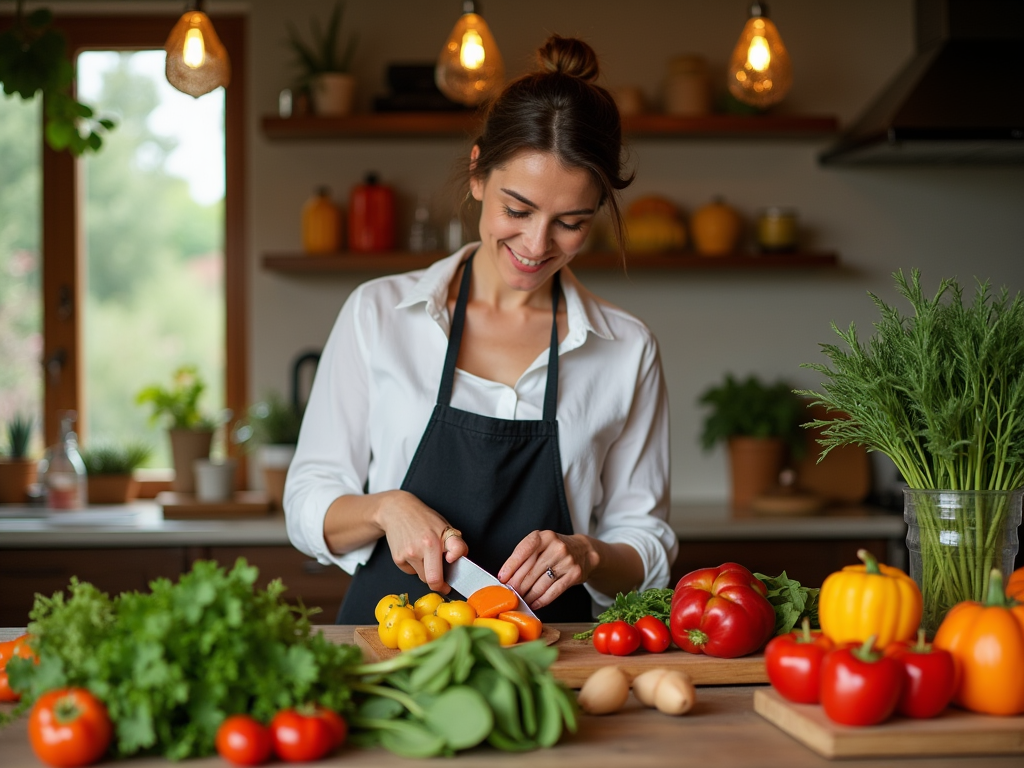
<point x="941" y="393"/>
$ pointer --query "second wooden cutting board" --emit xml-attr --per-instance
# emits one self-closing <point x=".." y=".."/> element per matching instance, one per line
<point x="577" y="660"/>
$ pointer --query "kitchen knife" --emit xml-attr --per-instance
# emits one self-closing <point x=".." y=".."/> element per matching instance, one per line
<point x="466" y="577"/>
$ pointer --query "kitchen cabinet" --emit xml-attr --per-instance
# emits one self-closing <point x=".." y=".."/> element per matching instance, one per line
<point x="24" y="572"/>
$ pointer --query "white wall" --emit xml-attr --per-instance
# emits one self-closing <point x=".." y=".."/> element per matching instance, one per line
<point x="960" y="222"/>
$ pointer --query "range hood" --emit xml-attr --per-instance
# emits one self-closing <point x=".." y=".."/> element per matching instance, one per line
<point x="959" y="100"/>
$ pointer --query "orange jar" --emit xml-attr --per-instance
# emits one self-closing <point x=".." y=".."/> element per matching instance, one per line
<point x="321" y="223"/>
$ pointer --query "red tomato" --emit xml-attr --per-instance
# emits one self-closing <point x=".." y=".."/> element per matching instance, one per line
<point x="929" y="677"/>
<point x="243" y="740"/>
<point x="69" y="727"/>
<point x="654" y="636"/>
<point x="600" y="638"/>
<point x="19" y="646"/>
<point x="6" y="692"/>
<point x="300" y="737"/>
<point x="721" y="612"/>
<point x="623" y="638"/>
<point x="793" y="662"/>
<point x="860" y="686"/>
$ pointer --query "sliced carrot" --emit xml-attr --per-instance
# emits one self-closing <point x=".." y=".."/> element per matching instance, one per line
<point x="488" y="602"/>
<point x="529" y="626"/>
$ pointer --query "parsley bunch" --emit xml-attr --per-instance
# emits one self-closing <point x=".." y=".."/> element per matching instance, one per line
<point x="792" y="602"/>
<point x="633" y="606"/>
<point x="172" y="663"/>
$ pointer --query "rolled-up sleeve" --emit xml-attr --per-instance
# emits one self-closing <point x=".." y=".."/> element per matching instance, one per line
<point x="333" y="451"/>
<point x="635" y="478"/>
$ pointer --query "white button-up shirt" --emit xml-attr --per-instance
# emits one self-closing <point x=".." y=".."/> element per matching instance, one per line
<point x="376" y="386"/>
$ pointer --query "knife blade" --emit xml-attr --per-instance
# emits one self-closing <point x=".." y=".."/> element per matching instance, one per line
<point x="466" y="577"/>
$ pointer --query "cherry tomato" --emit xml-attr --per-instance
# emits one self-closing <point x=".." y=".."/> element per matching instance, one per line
<point x="654" y="635"/>
<point x="617" y="638"/>
<point x="242" y="740"/>
<point x="6" y="692"/>
<point x="299" y="737"/>
<point x="793" y="662"/>
<point x="929" y="677"/>
<point x="860" y="686"/>
<point x="19" y="646"/>
<point x="69" y="727"/>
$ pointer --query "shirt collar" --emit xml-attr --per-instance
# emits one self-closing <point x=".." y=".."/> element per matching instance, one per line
<point x="583" y="308"/>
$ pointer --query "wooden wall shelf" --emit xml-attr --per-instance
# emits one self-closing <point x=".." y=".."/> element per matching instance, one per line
<point x="396" y="261"/>
<point x="395" y="125"/>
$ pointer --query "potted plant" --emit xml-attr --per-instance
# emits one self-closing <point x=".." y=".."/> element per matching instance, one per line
<point x="759" y="422"/>
<point x="17" y="470"/>
<point x="941" y="393"/>
<point x="325" y="65"/>
<point x="109" y="468"/>
<point x="190" y="430"/>
<point x="271" y="429"/>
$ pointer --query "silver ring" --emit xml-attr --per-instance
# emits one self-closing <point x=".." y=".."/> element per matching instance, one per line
<point x="551" y="574"/>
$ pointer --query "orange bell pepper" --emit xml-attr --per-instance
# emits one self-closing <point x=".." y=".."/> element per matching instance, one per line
<point x="530" y="627"/>
<point x="1015" y="585"/>
<point x="488" y="602"/>
<point x="871" y="599"/>
<point x="987" y="643"/>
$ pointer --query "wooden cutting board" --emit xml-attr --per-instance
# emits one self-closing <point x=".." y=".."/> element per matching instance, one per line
<point x="954" y="732"/>
<point x="577" y="659"/>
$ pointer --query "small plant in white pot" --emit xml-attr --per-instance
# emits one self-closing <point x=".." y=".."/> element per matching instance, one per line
<point x="326" y="64"/>
<point x="110" y="467"/>
<point x="190" y="430"/>
<point x="271" y="429"/>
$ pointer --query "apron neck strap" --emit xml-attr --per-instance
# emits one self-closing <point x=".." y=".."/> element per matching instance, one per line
<point x="444" y="393"/>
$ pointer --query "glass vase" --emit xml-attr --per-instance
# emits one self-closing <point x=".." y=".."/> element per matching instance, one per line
<point x="955" y="539"/>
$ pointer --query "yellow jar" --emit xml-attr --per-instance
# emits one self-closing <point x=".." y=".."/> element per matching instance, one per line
<point x="777" y="230"/>
<point x="321" y="224"/>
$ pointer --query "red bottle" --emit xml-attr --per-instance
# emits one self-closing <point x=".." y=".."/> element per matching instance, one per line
<point x="371" y="217"/>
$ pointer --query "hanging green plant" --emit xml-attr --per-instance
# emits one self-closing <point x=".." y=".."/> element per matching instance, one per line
<point x="33" y="59"/>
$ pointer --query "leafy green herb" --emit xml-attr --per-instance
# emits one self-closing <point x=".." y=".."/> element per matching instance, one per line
<point x="171" y="664"/>
<point x="115" y="459"/>
<point x="791" y="602"/>
<point x="753" y="409"/>
<point x="458" y="691"/>
<point x="633" y="606"/>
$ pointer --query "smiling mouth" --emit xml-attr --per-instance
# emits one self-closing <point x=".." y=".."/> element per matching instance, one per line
<point x="523" y="260"/>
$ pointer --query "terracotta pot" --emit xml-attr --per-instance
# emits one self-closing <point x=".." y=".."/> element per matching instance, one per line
<point x="754" y="463"/>
<point x="16" y="476"/>
<point x="333" y="93"/>
<point x="112" y="489"/>
<point x="274" y="461"/>
<point x="187" y="445"/>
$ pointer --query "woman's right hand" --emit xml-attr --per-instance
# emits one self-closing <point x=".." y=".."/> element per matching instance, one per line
<point x="414" y="534"/>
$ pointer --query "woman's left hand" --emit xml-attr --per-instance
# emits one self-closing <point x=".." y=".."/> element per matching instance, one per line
<point x="545" y="564"/>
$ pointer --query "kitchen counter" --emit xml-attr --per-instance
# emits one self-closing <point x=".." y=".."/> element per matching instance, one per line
<point x="722" y="730"/>
<point x="142" y="525"/>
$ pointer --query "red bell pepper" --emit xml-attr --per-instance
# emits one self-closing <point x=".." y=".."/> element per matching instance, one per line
<point x="860" y="685"/>
<point x="793" y="662"/>
<point x="929" y="677"/>
<point x="721" y="612"/>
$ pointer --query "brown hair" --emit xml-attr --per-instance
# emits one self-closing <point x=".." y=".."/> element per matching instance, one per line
<point x="559" y="110"/>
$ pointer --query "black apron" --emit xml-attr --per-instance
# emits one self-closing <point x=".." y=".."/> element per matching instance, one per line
<point x="496" y="480"/>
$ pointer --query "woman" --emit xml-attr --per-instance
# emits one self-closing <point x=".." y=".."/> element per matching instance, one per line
<point x="489" y="406"/>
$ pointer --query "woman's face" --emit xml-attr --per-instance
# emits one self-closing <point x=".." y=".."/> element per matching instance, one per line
<point x="536" y="214"/>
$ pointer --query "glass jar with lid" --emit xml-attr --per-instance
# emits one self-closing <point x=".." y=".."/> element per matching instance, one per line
<point x="777" y="230"/>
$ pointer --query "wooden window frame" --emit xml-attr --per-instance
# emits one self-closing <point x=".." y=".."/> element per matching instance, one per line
<point x="63" y="238"/>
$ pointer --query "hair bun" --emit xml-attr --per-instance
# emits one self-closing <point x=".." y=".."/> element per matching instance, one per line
<point x="569" y="56"/>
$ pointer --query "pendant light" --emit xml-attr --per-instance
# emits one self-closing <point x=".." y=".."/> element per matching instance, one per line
<point x="469" y="69"/>
<point x="759" y="71"/>
<point x="196" y="60"/>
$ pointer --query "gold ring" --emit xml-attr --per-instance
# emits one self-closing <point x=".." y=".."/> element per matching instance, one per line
<point x="448" y="533"/>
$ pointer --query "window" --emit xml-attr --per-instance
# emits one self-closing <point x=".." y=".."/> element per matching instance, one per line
<point x="64" y="276"/>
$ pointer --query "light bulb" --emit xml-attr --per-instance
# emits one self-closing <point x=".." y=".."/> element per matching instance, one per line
<point x="760" y="73"/>
<point x="194" y="51"/>
<point x="469" y="69"/>
<point x="196" y="60"/>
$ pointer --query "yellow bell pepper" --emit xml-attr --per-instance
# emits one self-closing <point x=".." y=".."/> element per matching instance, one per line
<point x="871" y="599"/>
<point x="507" y="632"/>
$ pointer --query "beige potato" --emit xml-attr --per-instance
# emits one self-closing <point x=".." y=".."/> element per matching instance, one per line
<point x="605" y="691"/>
<point x="646" y="683"/>
<point x="675" y="694"/>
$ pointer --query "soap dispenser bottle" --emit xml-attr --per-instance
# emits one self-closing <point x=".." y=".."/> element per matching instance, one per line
<point x="62" y="471"/>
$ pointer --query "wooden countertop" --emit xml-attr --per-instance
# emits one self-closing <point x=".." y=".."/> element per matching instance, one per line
<point x="143" y="525"/>
<point x="722" y="730"/>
